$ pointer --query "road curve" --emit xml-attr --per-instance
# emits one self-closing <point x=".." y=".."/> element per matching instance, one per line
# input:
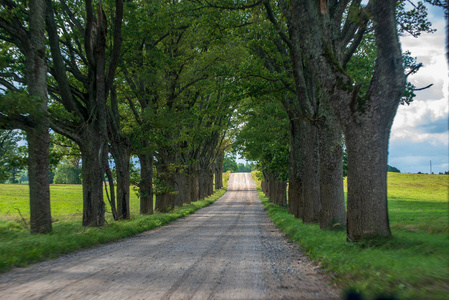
<point x="228" y="250"/>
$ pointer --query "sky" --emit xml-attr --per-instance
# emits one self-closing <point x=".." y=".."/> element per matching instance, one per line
<point x="420" y="130"/>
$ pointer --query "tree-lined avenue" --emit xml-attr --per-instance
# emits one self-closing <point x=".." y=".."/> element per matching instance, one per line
<point x="229" y="250"/>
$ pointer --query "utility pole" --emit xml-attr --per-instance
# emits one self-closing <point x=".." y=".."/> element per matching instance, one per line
<point x="430" y="167"/>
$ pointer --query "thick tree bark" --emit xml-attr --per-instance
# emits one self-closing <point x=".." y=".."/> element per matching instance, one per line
<point x="367" y="123"/>
<point x="333" y="211"/>
<point x="311" y="204"/>
<point x="30" y="40"/>
<point x="194" y="185"/>
<point x="166" y="181"/>
<point x="210" y="181"/>
<point x="38" y="162"/>
<point x="182" y="187"/>
<point x="93" y="153"/>
<point x="122" y="157"/>
<point x="294" y="173"/>
<point x="367" y="181"/>
<point x="320" y="47"/>
<point x="270" y="186"/>
<point x="205" y="181"/>
<point x="281" y="193"/>
<point x="38" y="136"/>
<point x="219" y="171"/>
<point x="146" y="184"/>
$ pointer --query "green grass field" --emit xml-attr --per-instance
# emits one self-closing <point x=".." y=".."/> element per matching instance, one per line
<point x="19" y="248"/>
<point x="414" y="264"/>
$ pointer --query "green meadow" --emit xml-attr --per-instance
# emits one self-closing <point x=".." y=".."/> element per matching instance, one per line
<point x="19" y="248"/>
<point x="413" y="264"/>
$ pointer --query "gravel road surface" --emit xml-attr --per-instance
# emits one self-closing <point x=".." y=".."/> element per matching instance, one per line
<point x="228" y="250"/>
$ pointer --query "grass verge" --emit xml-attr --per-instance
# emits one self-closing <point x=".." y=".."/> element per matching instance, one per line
<point x="411" y="265"/>
<point x="19" y="248"/>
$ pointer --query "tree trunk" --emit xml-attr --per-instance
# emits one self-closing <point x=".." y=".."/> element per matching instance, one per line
<point x="281" y="193"/>
<point x="122" y="156"/>
<point x="333" y="212"/>
<point x="210" y="181"/>
<point x="38" y="137"/>
<point x="366" y="122"/>
<point x="367" y="148"/>
<point x="194" y="186"/>
<point x="146" y="184"/>
<point x="271" y="187"/>
<point x="38" y="162"/>
<point x="166" y="184"/>
<point x="111" y="198"/>
<point x="182" y="187"/>
<point x="311" y="205"/>
<point x="93" y="153"/>
<point x="202" y="183"/>
<point x="294" y="173"/>
<point x="219" y="171"/>
<point x="263" y="186"/>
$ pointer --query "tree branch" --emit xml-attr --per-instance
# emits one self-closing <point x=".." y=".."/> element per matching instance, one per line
<point x="8" y="85"/>
<point x="423" y="88"/>
<point x="59" y="67"/>
<point x="273" y="20"/>
<point x="113" y="62"/>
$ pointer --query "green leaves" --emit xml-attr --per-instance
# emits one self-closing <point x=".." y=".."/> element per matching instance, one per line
<point x="13" y="158"/>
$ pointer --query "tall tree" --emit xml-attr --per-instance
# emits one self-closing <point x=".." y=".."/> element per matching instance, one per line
<point x="24" y="27"/>
<point x="365" y="119"/>
<point x="315" y="180"/>
<point x="84" y="72"/>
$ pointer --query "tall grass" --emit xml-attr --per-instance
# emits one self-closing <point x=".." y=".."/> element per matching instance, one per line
<point x="411" y="265"/>
<point x="19" y="248"/>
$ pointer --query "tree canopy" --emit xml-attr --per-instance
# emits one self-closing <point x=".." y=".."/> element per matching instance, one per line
<point x="289" y="84"/>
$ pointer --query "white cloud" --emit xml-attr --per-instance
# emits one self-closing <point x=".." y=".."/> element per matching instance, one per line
<point x="420" y="131"/>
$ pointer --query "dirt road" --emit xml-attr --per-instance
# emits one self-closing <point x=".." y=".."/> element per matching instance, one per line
<point x="229" y="250"/>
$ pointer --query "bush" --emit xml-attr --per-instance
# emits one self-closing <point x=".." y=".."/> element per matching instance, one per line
<point x="67" y="174"/>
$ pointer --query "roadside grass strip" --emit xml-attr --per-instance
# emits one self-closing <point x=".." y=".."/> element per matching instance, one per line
<point x="19" y="248"/>
<point x="413" y="264"/>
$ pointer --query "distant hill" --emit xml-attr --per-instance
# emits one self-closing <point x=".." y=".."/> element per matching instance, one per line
<point x="393" y="169"/>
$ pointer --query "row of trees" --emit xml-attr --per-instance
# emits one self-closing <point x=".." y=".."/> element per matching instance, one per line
<point x="152" y="79"/>
<point x="342" y="75"/>
<point x="162" y="80"/>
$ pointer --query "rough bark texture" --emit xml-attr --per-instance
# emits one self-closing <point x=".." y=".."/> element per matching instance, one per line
<point x="146" y="184"/>
<point x="367" y="123"/>
<point x="182" y="187"/>
<point x="205" y="181"/>
<point x="166" y="181"/>
<point x="320" y="47"/>
<point x="38" y="136"/>
<point x="281" y="193"/>
<point x="194" y="186"/>
<point x="333" y="211"/>
<point x="294" y="176"/>
<point x="123" y="182"/>
<point x="310" y="173"/>
<point x="29" y="38"/>
<point x="93" y="157"/>
<point x="38" y="162"/>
